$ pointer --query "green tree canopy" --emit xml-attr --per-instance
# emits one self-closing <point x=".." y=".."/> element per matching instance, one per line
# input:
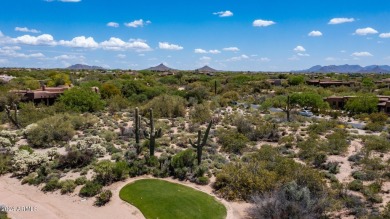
<point x="364" y="103"/>
<point x="81" y="100"/>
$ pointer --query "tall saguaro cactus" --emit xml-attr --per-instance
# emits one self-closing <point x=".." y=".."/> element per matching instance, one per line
<point x="153" y="134"/>
<point x="13" y="119"/>
<point x="215" y="87"/>
<point x="137" y="125"/>
<point x="200" y="144"/>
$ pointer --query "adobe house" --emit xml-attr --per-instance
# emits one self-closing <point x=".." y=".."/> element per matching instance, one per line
<point x="329" y="83"/>
<point x="338" y="102"/>
<point x="46" y="95"/>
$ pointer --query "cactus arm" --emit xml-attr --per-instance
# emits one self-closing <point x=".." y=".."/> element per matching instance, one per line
<point x="206" y="135"/>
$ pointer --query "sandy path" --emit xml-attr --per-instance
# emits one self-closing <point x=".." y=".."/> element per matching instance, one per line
<point x="55" y="205"/>
<point x="346" y="170"/>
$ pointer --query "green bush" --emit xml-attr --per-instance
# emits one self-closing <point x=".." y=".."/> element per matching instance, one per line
<point x="52" y="185"/>
<point x="356" y="185"/>
<point x="376" y="143"/>
<point x="81" y="180"/>
<point x="108" y="172"/>
<point x="201" y="113"/>
<point x="67" y="186"/>
<point x="103" y="198"/>
<point x="51" y="131"/>
<point x="90" y="189"/>
<point x="167" y="106"/>
<point x="374" y="126"/>
<point x="203" y="180"/>
<point x="81" y="100"/>
<point x="75" y="159"/>
<point x="232" y="141"/>
<point x="263" y="171"/>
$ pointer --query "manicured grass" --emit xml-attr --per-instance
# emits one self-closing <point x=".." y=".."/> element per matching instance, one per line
<point x="164" y="200"/>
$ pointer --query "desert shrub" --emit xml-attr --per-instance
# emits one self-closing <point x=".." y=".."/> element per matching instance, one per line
<point x="203" y="180"/>
<point x="52" y="185"/>
<point x="117" y="103"/>
<point x="376" y="143"/>
<point x="374" y="126"/>
<point x="95" y="144"/>
<point x="107" y="172"/>
<point x="201" y="113"/>
<point x="289" y="201"/>
<point x="24" y="163"/>
<point x="364" y="176"/>
<point x="322" y="126"/>
<point x="5" y="163"/>
<point x="109" y="90"/>
<point x="337" y="142"/>
<point x="30" y="113"/>
<point x="81" y="180"/>
<point x="67" y="186"/>
<point x="75" y="159"/>
<point x="232" y="141"/>
<point x="386" y="211"/>
<point x="354" y="204"/>
<point x="231" y="95"/>
<point x="51" y="131"/>
<point x="262" y="171"/>
<point x="90" y="189"/>
<point x="183" y="159"/>
<point x="380" y="117"/>
<point x="355" y="185"/>
<point x="103" y="198"/>
<point x="3" y="213"/>
<point x="319" y="160"/>
<point x="167" y="106"/>
<point x="81" y="100"/>
<point x="333" y="167"/>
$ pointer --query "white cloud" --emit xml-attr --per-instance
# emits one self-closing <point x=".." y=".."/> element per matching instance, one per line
<point x="168" y="46"/>
<point x="238" y="58"/>
<point x="303" y="54"/>
<point x="202" y="51"/>
<point x="262" y="23"/>
<point x="299" y="49"/>
<point x="80" y="42"/>
<point x="365" y="31"/>
<point x="384" y="35"/>
<point x="264" y="59"/>
<point x="231" y="49"/>
<point x="205" y="58"/>
<point x="137" y="23"/>
<point x="214" y="51"/>
<point x="341" y="20"/>
<point x="224" y="13"/>
<point x="121" y="56"/>
<point x="117" y="44"/>
<point x="3" y="61"/>
<point x="361" y="54"/>
<point x="112" y="24"/>
<point x="68" y="57"/>
<point x="44" y="39"/>
<point x="11" y="52"/>
<point x="25" y="29"/>
<point x="315" y="33"/>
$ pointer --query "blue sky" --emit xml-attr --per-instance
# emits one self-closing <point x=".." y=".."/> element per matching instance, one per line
<point x="224" y="34"/>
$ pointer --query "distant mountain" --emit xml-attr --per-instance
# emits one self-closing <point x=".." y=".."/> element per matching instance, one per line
<point x="83" y="67"/>
<point x="349" y="69"/>
<point x="206" y="69"/>
<point x="160" y="67"/>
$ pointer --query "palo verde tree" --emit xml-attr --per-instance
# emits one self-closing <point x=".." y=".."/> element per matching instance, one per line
<point x="200" y="143"/>
<point x="153" y="134"/>
<point x="364" y="103"/>
<point x="282" y="102"/>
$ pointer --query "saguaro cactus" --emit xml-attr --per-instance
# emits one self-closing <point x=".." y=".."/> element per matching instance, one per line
<point x="137" y="125"/>
<point x="199" y="144"/>
<point x="13" y="119"/>
<point x="215" y="87"/>
<point x="153" y="134"/>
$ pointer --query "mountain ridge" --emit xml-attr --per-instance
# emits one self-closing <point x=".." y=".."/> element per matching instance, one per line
<point x="348" y="69"/>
